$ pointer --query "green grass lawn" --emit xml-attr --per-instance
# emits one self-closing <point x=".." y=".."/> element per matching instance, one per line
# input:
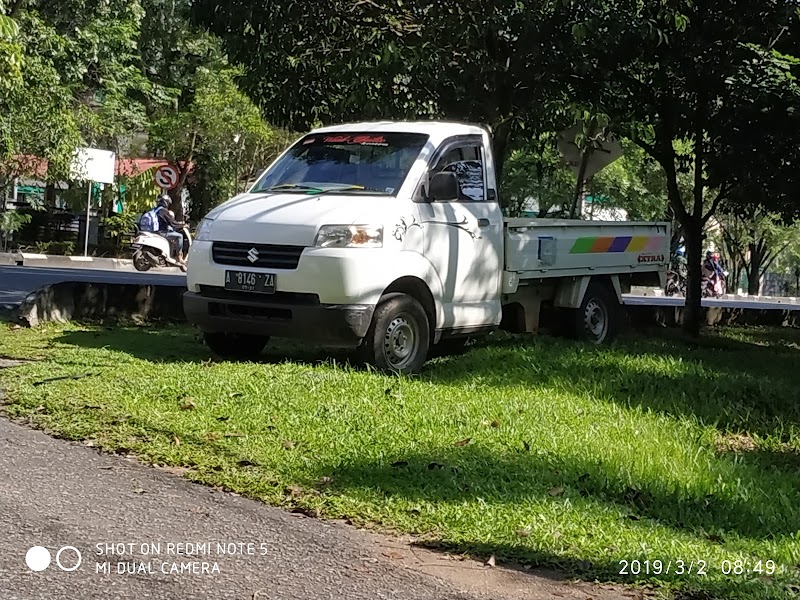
<point x="539" y="451"/>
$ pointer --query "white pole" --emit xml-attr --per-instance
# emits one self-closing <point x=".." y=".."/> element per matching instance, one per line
<point x="88" y="208"/>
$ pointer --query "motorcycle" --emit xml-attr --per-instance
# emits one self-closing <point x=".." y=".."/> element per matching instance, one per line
<point x="153" y="250"/>
<point x="713" y="286"/>
<point x="677" y="277"/>
<point x="675" y="284"/>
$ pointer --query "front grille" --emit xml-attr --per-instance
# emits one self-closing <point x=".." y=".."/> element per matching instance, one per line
<point x="269" y="256"/>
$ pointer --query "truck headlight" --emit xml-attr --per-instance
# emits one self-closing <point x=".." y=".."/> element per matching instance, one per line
<point x="204" y="230"/>
<point x="349" y="236"/>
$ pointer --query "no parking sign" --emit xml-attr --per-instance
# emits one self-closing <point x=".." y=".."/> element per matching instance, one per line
<point x="166" y="177"/>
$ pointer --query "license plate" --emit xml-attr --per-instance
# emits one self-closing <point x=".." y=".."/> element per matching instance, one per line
<point x="244" y="281"/>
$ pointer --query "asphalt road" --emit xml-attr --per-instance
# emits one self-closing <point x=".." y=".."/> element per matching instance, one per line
<point x="18" y="282"/>
<point x="57" y="494"/>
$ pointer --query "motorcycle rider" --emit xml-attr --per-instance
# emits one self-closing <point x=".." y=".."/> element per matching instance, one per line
<point x="168" y="227"/>
<point x="712" y="270"/>
<point x="679" y="264"/>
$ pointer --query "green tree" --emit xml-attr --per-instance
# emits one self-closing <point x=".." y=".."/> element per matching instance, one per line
<point x="38" y="118"/>
<point x="503" y="64"/>
<point x="221" y="133"/>
<point x="10" y="223"/>
<point x="536" y="173"/>
<point x="707" y="73"/>
<point x="10" y="53"/>
<point x="753" y="239"/>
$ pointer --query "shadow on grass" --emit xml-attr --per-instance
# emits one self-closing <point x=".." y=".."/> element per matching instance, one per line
<point x="453" y="476"/>
<point x="730" y="384"/>
<point x="735" y="385"/>
<point x="184" y="345"/>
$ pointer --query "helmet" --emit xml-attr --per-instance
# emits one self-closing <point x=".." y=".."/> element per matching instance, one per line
<point x="164" y="200"/>
<point x="709" y="254"/>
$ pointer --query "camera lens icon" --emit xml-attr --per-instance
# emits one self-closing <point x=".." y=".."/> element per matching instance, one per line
<point x="38" y="558"/>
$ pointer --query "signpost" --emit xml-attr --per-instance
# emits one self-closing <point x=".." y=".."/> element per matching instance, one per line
<point x="91" y="164"/>
<point x="586" y="162"/>
<point x="167" y="177"/>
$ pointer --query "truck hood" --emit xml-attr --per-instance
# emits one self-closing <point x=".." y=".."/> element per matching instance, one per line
<point x="269" y="218"/>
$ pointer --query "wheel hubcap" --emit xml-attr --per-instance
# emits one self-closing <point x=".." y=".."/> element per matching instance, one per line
<point x="401" y="341"/>
<point x="596" y="320"/>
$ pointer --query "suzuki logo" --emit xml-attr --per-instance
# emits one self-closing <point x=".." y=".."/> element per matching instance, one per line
<point x="252" y="255"/>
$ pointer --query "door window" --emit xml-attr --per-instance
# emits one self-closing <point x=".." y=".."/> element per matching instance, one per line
<point x="467" y="163"/>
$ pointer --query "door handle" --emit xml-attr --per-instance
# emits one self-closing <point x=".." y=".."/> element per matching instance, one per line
<point x="483" y="222"/>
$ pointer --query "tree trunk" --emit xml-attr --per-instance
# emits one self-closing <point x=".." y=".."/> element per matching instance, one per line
<point x="693" y="232"/>
<point x="501" y="136"/>
<point x="754" y="270"/>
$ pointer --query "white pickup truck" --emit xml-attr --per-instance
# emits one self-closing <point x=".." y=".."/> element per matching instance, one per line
<point x="389" y="237"/>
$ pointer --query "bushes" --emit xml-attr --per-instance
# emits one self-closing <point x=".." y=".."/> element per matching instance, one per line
<point x="57" y="248"/>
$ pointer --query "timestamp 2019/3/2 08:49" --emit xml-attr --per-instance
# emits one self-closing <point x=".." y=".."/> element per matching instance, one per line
<point x="699" y="568"/>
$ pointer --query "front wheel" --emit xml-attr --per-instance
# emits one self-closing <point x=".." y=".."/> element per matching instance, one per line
<point x="398" y="338"/>
<point x="235" y="345"/>
<point x="597" y="319"/>
<point x="140" y="262"/>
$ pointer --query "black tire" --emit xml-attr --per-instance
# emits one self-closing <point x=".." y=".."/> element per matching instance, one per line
<point x="398" y="338"/>
<point x="140" y="262"/>
<point x="235" y="345"/>
<point x="597" y="321"/>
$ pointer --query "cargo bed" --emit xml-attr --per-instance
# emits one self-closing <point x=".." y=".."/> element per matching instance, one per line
<point x="543" y="248"/>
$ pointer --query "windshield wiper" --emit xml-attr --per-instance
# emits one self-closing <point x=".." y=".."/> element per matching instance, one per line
<point x="316" y="190"/>
<point x="294" y="186"/>
<point x="347" y="188"/>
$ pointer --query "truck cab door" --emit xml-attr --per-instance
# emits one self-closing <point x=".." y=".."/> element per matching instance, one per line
<point x="463" y="235"/>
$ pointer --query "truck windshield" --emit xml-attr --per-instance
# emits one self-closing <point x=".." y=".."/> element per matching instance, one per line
<point x="376" y="163"/>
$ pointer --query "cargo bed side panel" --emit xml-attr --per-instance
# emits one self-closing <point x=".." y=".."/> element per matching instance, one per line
<point x="539" y="247"/>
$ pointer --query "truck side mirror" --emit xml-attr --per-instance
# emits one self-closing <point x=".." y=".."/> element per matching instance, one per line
<point x="444" y="187"/>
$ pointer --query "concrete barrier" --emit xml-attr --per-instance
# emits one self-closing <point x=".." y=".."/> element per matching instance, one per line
<point x="75" y="262"/>
<point x="29" y="259"/>
<point x="673" y="316"/>
<point x="70" y="300"/>
<point x="9" y="258"/>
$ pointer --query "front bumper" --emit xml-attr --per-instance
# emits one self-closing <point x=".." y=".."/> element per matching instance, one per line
<point x="283" y="314"/>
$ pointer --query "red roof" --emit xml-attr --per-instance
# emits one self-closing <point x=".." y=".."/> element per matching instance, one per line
<point x="130" y="167"/>
<point x="34" y="166"/>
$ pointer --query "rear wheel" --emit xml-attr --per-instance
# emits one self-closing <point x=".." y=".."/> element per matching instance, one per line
<point x="398" y="338"/>
<point x="140" y="262"/>
<point x="597" y="319"/>
<point x="235" y="345"/>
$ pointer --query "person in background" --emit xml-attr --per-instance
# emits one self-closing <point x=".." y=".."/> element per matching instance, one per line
<point x="713" y="271"/>
<point x="168" y="226"/>
<point x="679" y="264"/>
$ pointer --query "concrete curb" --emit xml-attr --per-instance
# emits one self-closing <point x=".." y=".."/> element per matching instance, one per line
<point x="82" y="262"/>
<point x="28" y="259"/>
<point x="9" y="258"/>
<point x="673" y="316"/>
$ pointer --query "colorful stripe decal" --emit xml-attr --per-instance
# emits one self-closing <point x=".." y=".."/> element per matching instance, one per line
<point x="605" y="245"/>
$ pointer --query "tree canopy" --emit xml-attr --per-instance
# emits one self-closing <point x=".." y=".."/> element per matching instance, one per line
<point x="703" y="93"/>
